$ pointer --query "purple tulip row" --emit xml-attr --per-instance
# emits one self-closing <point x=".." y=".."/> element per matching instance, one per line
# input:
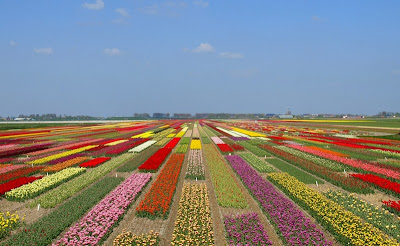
<point x="239" y="138"/>
<point x="95" y="225"/>
<point x="291" y="223"/>
<point x="246" y="229"/>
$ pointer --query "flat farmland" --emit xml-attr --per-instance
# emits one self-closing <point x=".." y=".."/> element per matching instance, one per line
<point x="200" y="182"/>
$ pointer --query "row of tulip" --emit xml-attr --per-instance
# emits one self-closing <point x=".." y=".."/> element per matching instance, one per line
<point x="335" y="166"/>
<point x="157" y="200"/>
<point x="193" y="224"/>
<point x="64" y="146"/>
<point x="245" y="229"/>
<point x="254" y="149"/>
<point x="8" y="221"/>
<point x="129" y="239"/>
<point x="17" y="183"/>
<point x="226" y="189"/>
<point x="195" y="132"/>
<point x="18" y="150"/>
<point x="142" y="146"/>
<point x="343" y="224"/>
<point x="154" y="162"/>
<point x="122" y="147"/>
<point x="195" y="169"/>
<point x="217" y="140"/>
<point x="346" y="182"/>
<point x="182" y="132"/>
<point x="94" y="162"/>
<point x="62" y="154"/>
<point x="379" y="182"/>
<point x="52" y="198"/>
<point x="20" y="172"/>
<point x="257" y="163"/>
<point x="65" y="164"/>
<point x="293" y="226"/>
<point x="375" y="215"/>
<point x="195" y="144"/>
<point x="350" y="162"/>
<point x="10" y="168"/>
<point x="94" y="226"/>
<point x="387" y="153"/>
<point x="42" y="185"/>
<point x="394" y="206"/>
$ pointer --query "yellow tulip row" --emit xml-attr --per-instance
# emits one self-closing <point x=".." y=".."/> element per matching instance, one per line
<point x="60" y="155"/>
<point x="144" y="135"/>
<point x="182" y="132"/>
<point x="348" y="227"/>
<point x="171" y="135"/>
<point x="8" y="221"/>
<point x="116" y="142"/>
<point x="193" y="225"/>
<point x="195" y="144"/>
<point x="249" y="133"/>
<point x="128" y="239"/>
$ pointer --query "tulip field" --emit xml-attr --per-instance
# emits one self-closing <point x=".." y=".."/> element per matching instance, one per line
<point x="200" y="182"/>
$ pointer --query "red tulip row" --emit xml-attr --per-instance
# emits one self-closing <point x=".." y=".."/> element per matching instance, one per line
<point x="19" y="173"/>
<point x="171" y="144"/>
<point x="154" y="162"/>
<point x="224" y="148"/>
<point x="95" y="162"/>
<point x="157" y="201"/>
<point x="380" y="182"/>
<point x="16" y="183"/>
<point x="393" y="204"/>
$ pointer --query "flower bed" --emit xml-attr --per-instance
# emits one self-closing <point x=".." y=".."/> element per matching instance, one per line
<point x="245" y="229"/>
<point x="385" y="184"/>
<point x="52" y="198"/>
<point x="195" y="144"/>
<point x="10" y="168"/>
<point x="225" y="148"/>
<point x="94" y="226"/>
<point x="65" y="164"/>
<point x="226" y="189"/>
<point x="95" y="162"/>
<point x="171" y="144"/>
<point x="193" y="225"/>
<point x="60" y="155"/>
<point x="40" y="186"/>
<point x="344" y="225"/>
<point x="16" y="183"/>
<point x="154" y="162"/>
<point x="195" y="169"/>
<point x="20" y="172"/>
<point x="142" y="146"/>
<point x="127" y="239"/>
<point x="282" y="212"/>
<point x="260" y="165"/>
<point x="157" y="200"/>
<point x="8" y="221"/>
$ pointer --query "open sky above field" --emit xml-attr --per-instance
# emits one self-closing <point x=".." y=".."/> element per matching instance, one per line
<point x="118" y="57"/>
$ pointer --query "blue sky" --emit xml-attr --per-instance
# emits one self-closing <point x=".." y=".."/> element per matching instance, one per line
<point x="108" y="58"/>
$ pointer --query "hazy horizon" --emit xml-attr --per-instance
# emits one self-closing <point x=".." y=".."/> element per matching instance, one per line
<point x="109" y="58"/>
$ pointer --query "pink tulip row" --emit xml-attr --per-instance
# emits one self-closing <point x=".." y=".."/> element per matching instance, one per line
<point x="95" y="225"/>
<point x="11" y="168"/>
<point x="217" y="140"/>
<point x="351" y="162"/>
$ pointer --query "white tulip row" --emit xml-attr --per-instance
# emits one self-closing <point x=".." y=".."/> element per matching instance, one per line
<point x="142" y="147"/>
<point x="230" y="132"/>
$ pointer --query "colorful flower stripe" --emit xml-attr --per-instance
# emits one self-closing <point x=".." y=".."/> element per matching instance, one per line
<point x="380" y="182"/>
<point x="40" y="186"/>
<point x="17" y="183"/>
<point x="5" y="165"/>
<point x="157" y="200"/>
<point x="155" y="161"/>
<point x="348" y="183"/>
<point x="122" y="147"/>
<point x="290" y="221"/>
<point x="320" y="161"/>
<point x="25" y="171"/>
<point x="65" y="146"/>
<point x="193" y="225"/>
<point x="8" y="222"/>
<point x="260" y="165"/>
<point x="171" y="144"/>
<point x="95" y="162"/>
<point x="128" y="239"/>
<point x="65" y="164"/>
<point x="195" y="169"/>
<point x="225" y="148"/>
<point x="116" y="142"/>
<point x="217" y="140"/>
<point x="63" y="159"/>
<point x="347" y="227"/>
<point x="195" y="144"/>
<point x="377" y="216"/>
<point x="142" y="146"/>
<point x="226" y="189"/>
<point x="60" y="155"/>
<point x="245" y="229"/>
<point x="354" y="163"/>
<point x="181" y="133"/>
<point x="328" y="151"/>
<point x="95" y="225"/>
<point x="23" y="150"/>
<point x="11" y="168"/>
